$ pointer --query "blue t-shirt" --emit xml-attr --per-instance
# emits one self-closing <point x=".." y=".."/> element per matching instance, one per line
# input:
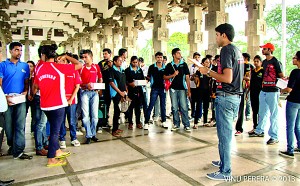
<point x="13" y="76"/>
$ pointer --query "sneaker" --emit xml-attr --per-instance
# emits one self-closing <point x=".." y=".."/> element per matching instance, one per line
<point x="106" y="126"/>
<point x="218" y="176"/>
<point x="23" y="156"/>
<point x="238" y="133"/>
<point x="139" y="126"/>
<point x="9" y="151"/>
<point x="88" y="141"/>
<point x="286" y="154"/>
<point x="296" y="151"/>
<point x="6" y="182"/>
<point x="130" y="126"/>
<point x="116" y="134"/>
<point x="174" y="128"/>
<point x="62" y="144"/>
<point x="272" y="141"/>
<point x="75" y="143"/>
<point x="82" y="129"/>
<point x="216" y="163"/>
<point x="191" y="119"/>
<point x="99" y="131"/>
<point x="95" y="139"/>
<point x="79" y="133"/>
<point x="254" y="134"/>
<point x="155" y="119"/>
<point x="42" y="152"/>
<point x="164" y="125"/>
<point x="187" y="129"/>
<point x="146" y="126"/>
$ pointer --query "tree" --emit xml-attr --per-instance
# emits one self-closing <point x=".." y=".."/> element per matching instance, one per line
<point x="273" y="20"/>
<point x="147" y="52"/>
<point x="178" y="40"/>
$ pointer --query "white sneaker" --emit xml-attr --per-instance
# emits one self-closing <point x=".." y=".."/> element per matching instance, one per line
<point x="187" y="129"/>
<point x="155" y="119"/>
<point x="62" y="144"/>
<point x="82" y="129"/>
<point x="99" y="130"/>
<point x="75" y="143"/>
<point x="79" y="133"/>
<point x="164" y="125"/>
<point x="146" y="126"/>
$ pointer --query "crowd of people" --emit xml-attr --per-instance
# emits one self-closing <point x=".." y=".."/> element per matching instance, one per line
<point x="61" y="86"/>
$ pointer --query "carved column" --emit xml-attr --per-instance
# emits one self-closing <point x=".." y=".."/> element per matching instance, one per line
<point x="127" y="41"/>
<point x="4" y="51"/>
<point x="255" y="27"/>
<point x="216" y="16"/>
<point x="116" y="40"/>
<point x="68" y="48"/>
<point x="94" y="47"/>
<point x="75" y="46"/>
<point x="108" y="37"/>
<point x="160" y="30"/>
<point x="195" y="37"/>
<point x="27" y="50"/>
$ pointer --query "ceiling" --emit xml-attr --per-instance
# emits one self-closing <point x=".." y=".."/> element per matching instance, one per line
<point x="61" y="20"/>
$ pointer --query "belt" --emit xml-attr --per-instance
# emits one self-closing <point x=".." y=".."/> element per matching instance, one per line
<point x="226" y="94"/>
<point x="90" y="90"/>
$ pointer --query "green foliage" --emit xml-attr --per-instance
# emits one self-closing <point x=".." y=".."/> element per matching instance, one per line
<point x="273" y="20"/>
<point x="147" y="52"/>
<point x="178" y="40"/>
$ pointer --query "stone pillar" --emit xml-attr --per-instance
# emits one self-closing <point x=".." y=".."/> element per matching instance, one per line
<point x="108" y="37"/>
<point x="94" y="49"/>
<point x="4" y="50"/>
<point x="116" y="40"/>
<point x="216" y="16"/>
<point x="195" y="37"/>
<point x="68" y="48"/>
<point x="135" y="45"/>
<point x="160" y="30"/>
<point x="27" y="50"/>
<point x="75" y="47"/>
<point x="127" y="41"/>
<point x="255" y="27"/>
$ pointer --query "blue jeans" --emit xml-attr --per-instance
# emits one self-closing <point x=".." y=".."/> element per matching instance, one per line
<point x="178" y="98"/>
<point x="15" y="118"/>
<point x="40" y="135"/>
<point x="72" y="120"/>
<point x="226" y="110"/>
<point x="155" y="92"/>
<point x="55" y="118"/>
<point x="292" y="125"/>
<point x="89" y="106"/>
<point x="268" y="103"/>
<point x="156" y="108"/>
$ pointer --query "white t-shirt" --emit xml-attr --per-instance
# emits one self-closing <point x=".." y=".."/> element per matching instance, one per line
<point x="193" y="69"/>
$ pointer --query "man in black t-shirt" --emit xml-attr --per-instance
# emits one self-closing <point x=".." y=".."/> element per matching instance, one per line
<point x="269" y="96"/>
<point x="229" y="88"/>
<point x="178" y="72"/>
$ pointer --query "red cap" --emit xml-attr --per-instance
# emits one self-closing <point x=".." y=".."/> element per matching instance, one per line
<point x="268" y="45"/>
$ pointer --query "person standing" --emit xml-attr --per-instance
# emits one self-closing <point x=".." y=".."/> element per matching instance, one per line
<point x="178" y="72"/>
<point x="292" y="110"/>
<point x="229" y="90"/>
<point x="30" y="103"/>
<point x="90" y="73"/>
<point x="14" y="76"/>
<point x="269" y="96"/>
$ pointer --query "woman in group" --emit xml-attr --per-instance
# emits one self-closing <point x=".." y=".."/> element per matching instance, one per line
<point x="30" y="103"/>
<point x="50" y="80"/>
<point x="293" y="110"/>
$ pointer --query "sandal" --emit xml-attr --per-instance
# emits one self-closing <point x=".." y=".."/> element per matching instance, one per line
<point x="58" y="163"/>
<point x="195" y="126"/>
<point x="63" y="155"/>
<point x="139" y="126"/>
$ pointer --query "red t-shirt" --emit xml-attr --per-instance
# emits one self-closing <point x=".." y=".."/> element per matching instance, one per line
<point x="50" y="77"/>
<point x="72" y="80"/>
<point x="90" y="74"/>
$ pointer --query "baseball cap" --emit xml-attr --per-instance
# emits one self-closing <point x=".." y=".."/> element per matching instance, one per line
<point x="268" y="45"/>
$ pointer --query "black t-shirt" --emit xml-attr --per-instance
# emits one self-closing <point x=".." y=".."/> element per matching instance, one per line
<point x="119" y="78"/>
<point x="204" y="81"/>
<point x="256" y="80"/>
<point x="179" y="81"/>
<point x="105" y="71"/>
<point x="294" y="84"/>
<point x="132" y="75"/>
<point x="231" y="57"/>
<point x="272" y="70"/>
<point x="156" y="76"/>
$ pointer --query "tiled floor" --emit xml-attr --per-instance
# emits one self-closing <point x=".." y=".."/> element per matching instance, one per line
<point x="158" y="157"/>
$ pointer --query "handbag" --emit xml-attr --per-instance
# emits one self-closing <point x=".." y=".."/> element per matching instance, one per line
<point x="168" y="82"/>
<point x="124" y="104"/>
<point x="3" y="101"/>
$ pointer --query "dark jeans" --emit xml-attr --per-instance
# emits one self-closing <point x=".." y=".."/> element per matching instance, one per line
<point x="116" y="101"/>
<point x="136" y="105"/>
<point x="204" y="96"/>
<point x="40" y="135"/>
<point x="254" y="98"/>
<point x="1" y="125"/>
<point x="15" y="118"/>
<point x="195" y="105"/>
<point x="70" y="112"/>
<point x="155" y="92"/>
<point x="55" y="118"/>
<point x="31" y="104"/>
<point x="240" y="120"/>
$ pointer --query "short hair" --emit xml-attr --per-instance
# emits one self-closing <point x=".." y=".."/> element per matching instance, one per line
<point x="246" y="55"/>
<point x="196" y="54"/>
<point x="106" y="50"/>
<point x="226" y="29"/>
<point x="165" y="58"/>
<point x="133" y="58"/>
<point x="141" y="59"/>
<point x="80" y="53"/>
<point x="31" y="63"/>
<point x="75" y="56"/>
<point x="298" y="55"/>
<point x="87" y="51"/>
<point x="49" y="50"/>
<point x="13" y="44"/>
<point x="257" y="57"/>
<point x="0" y="44"/>
<point x="175" y="50"/>
<point x="217" y="56"/>
<point x="208" y="56"/>
<point x="122" y="51"/>
<point x="115" y="58"/>
<point x="159" y="54"/>
<point x="204" y="59"/>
